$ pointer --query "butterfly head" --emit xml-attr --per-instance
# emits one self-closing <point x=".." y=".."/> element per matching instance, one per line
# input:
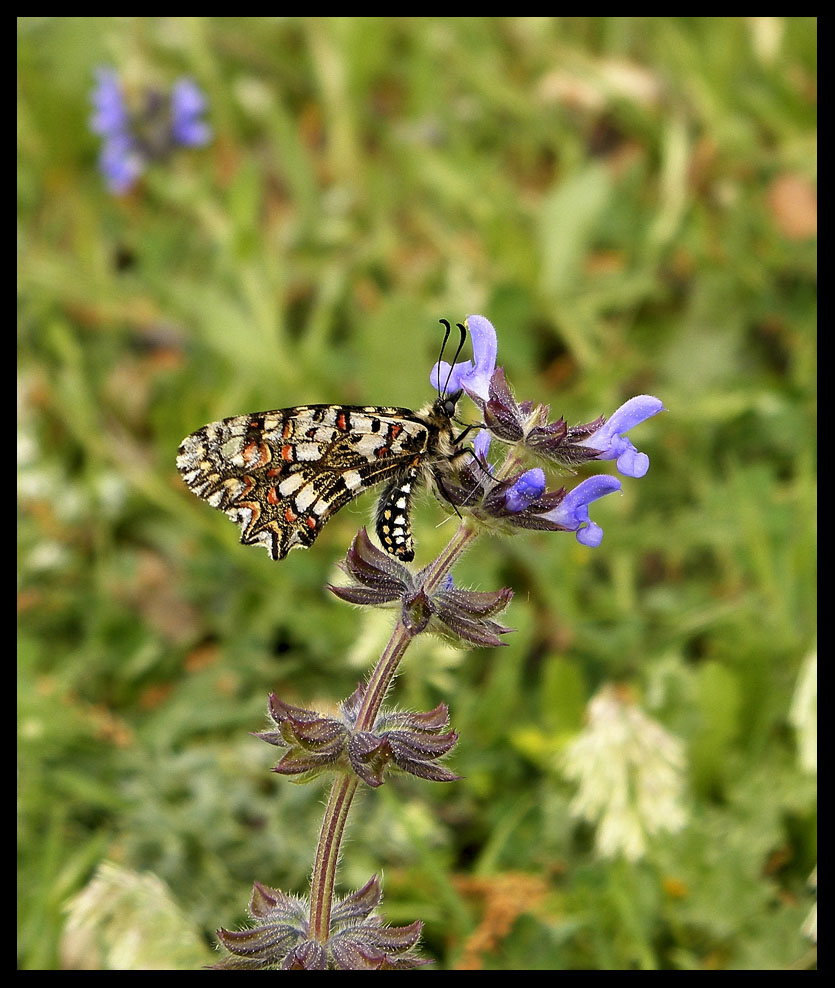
<point x="446" y="404"/>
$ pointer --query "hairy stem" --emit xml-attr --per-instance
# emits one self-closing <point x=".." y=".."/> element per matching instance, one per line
<point x="327" y="855"/>
<point x="344" y="788"/>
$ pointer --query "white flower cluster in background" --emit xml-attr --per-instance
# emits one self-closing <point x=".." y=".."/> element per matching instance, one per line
<point x="630" y="775"/>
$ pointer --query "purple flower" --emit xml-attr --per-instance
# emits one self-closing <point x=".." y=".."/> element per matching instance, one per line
<point x="111" y="116"/>
<point x="481" y="444"/>
<point x="528" y="488"/>
<point x="470" y="375"/>
<point x="572" y="513"/>
<point x="524" y="502"/>
<point x="610" y="439"/>
<point x="119" y="160"/>
<point x="188" y="104"/>
<point x="144" y="130"/>
<point x="120" y="163"/>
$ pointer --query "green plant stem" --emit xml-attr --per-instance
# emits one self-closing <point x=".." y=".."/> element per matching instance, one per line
<point x="327" y="855"/>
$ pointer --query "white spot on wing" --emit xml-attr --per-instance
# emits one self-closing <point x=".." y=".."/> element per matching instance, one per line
<point x="304" y="499"/>
<point x="367" y="445"/>
<point x="307" y="451"/>
<point x="290" y="484"/>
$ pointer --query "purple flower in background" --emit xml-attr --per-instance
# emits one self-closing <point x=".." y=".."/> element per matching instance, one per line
<point x="111" y="115"/>
<point x="134" y="133"/>
<point x="119" y="160"/>
<point x="120" y="163"/>
<point x="188" y="104"/>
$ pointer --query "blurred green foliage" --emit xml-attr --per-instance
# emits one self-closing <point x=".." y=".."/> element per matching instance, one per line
<point x="632" y="203"/>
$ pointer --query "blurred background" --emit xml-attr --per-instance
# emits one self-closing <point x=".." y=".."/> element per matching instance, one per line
<point x="632" y="202"/>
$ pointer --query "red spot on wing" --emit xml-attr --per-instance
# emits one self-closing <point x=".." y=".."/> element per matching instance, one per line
<point x="272" y="496"/>
<point x="287" y="453"/>
<point x="342" y="422"/>
<point x="289" y="515"/>
<point x="255" y="514"/>
<point x="256" y="454"/>
<point x="311" y="522"/>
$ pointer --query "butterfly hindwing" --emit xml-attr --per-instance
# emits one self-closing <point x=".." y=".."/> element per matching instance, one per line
<point x="282" y="474"/>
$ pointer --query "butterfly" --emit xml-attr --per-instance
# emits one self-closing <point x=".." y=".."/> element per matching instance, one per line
<point x="281" y="475"/>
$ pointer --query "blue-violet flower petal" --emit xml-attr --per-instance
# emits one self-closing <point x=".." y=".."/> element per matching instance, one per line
<point x="187" y="106"/>
<point x="481" y="444"/>
<point x="611" y="440"/>
<point x="471" y="375"/>
<point x="573" y="511"/>
<point x="120" y="163"/>
<point x="527" y="489"/>
<point x="110" y="113"/>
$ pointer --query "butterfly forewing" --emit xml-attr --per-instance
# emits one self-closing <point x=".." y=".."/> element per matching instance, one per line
<point x="282" y="474"/>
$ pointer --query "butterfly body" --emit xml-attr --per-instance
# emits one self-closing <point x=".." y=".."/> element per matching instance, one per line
<point x="281" y="475"/>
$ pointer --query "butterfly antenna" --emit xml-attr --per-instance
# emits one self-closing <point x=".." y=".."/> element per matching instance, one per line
<point x="443" y="322"/>
<point x="461" y="343"/>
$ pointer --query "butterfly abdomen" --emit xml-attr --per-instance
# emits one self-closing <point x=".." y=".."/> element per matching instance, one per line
<point x="394" y="528"/>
